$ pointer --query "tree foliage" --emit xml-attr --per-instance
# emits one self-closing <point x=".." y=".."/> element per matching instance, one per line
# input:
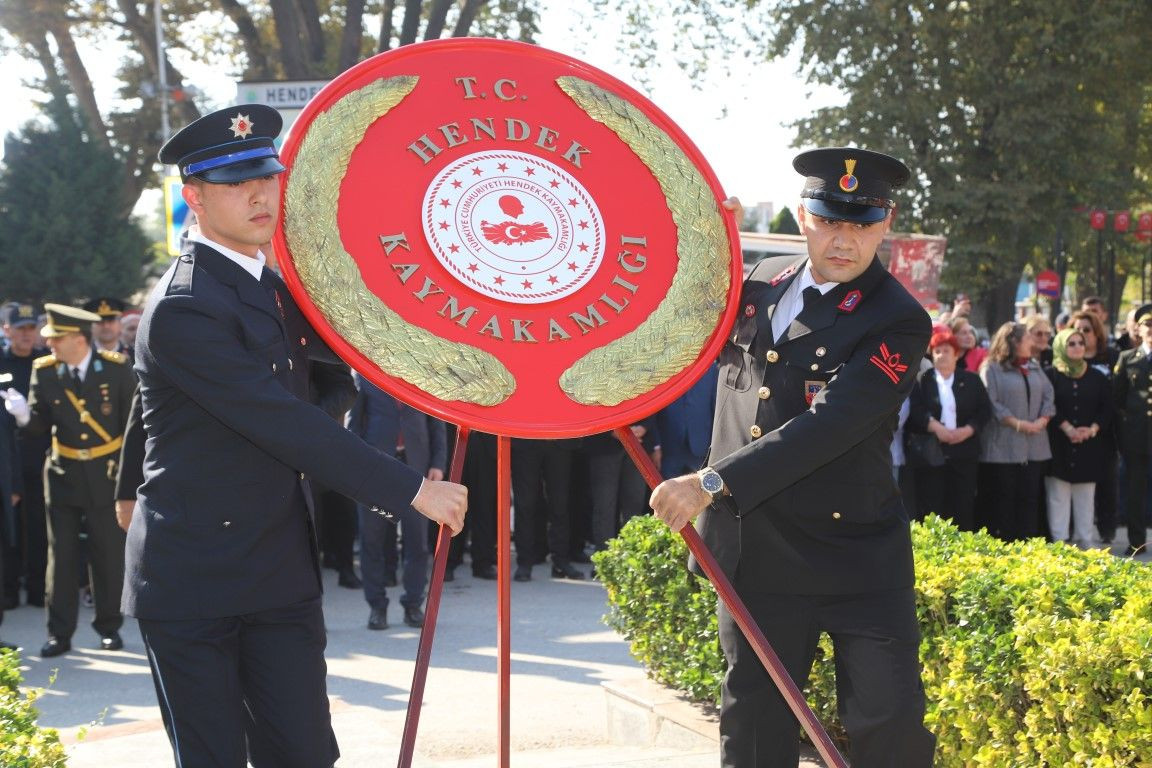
<point x="255" y="39"/>
<point x="62" y="235"/>
<point x="784" y="223"/>
<point x="1015" y="117"/>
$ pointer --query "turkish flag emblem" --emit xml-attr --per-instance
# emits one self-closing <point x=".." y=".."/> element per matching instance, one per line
<point x="1098" y="219"/>
<point x="1121" y="221"/>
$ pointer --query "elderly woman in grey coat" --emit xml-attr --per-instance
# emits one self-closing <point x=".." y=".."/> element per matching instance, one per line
<point x="1014" y="446"/>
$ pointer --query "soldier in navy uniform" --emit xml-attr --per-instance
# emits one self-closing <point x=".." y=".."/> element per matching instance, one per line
<point x="26" y="558"/>
<point x="1132" y="393"/>
<point x="222" y="566"/>
<point x="799" y="505"/>
<point x="81" y="397"/>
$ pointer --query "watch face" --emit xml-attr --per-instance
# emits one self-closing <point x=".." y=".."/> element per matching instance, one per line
<point x="712" y="482"/>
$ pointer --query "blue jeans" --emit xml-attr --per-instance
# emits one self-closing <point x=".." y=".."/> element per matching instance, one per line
<point x="414" y="551"/>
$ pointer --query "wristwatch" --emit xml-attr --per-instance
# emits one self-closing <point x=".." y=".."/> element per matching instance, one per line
<point x="712" y="483"/>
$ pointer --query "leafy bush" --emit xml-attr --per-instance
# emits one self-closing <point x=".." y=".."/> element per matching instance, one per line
<point x="23" y="744"/>
<point x="1034" y="654"/>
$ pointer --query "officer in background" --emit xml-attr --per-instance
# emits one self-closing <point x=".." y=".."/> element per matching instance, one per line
<point x="81" y="396"/>
<point x="799" y="505"/>
<point x="1132" y="390"/>
<point x="222" y="570"/>
<point x="26" y="557"/>
<point x="106" y="332"/>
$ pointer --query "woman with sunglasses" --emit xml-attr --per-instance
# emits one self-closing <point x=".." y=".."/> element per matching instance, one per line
<point x="1103" y="358"/>
<point x="1083" y="398"/>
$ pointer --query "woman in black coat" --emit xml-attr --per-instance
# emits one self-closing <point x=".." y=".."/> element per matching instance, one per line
<point x="1079" y="450"/>
<point x="948" y="409"/>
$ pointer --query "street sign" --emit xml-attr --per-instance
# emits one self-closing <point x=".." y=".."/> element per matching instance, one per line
<point x="1048" y="284"/>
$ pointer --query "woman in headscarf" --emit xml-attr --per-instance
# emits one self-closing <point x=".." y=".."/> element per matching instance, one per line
<point x="1014" y="446"/>
<point x="1083" y="398"/>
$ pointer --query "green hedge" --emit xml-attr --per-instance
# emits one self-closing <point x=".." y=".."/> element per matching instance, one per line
<point x="1034" y="654"/>
<point x="23" y="744"/>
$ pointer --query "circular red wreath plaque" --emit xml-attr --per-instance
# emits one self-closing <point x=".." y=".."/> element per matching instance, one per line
<point x="507" y="238"/>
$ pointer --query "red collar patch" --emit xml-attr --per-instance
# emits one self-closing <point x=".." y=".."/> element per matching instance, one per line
<point x="889" y="363"/>
<point x="783" y="275"/>
<point x="850" y="302"/>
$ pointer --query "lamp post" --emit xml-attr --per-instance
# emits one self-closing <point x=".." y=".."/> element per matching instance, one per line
<point x="162" y="68"/>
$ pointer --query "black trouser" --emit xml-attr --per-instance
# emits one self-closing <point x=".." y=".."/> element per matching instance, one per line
<point x="480" y="523"/>
<point x="541" y="471"/>
<point x="1014" y="496"/>
<point x="105" y="548"/>
<point x="619" y="493"/>
<point x="244" y="688"/>
<point x="26" y="553"/>
<point x="337" y="523"/>
<point x="879" y="694"/>
<point x="949" y="491"/>
<point x="1136" y="466"/>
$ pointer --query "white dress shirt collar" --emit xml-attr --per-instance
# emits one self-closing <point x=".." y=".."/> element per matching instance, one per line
<point x="253" y="266"/>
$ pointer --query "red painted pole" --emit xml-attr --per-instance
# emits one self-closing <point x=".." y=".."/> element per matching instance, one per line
<point x="792" y="694"/>
<point x="428" y="631"/>
<point x="504" y="591"/>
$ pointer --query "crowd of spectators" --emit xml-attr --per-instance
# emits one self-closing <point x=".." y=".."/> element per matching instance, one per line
<point x="570" y="496"/>
<point x="1018" y="434"/>
<point x="1024" y="434"/>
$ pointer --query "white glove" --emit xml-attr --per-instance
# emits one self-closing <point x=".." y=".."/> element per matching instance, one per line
<point x="16" y="405"/>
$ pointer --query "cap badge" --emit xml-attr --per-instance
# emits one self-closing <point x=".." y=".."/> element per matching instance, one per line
<point x="848" y="182"/>
<point x="242" y="128"/>
<point x="104" y="308"/>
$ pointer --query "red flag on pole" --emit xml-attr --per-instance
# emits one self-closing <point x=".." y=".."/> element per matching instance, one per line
<point x="1098" y="219"/>
<point x="1121" y="221"/>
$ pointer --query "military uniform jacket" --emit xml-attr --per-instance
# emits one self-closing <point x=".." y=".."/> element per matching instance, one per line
<point x="1132" y="390"/>
<point x="80" y="469"/>
<point x="802" y="437"/>
<point x="222" y="526"/>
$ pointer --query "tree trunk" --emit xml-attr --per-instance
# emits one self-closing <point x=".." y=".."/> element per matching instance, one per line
<point x="436" y="17"/>
<point x="385" y="40"/>
<point x="258" y="68"/>
<point x="292" y="56"/>
<point x="79" y="81"/>
<point x="313" y="33"/>
<point x="352" y="35"/>
<point x="467" y="16"/>
<point x="411" y="23"/>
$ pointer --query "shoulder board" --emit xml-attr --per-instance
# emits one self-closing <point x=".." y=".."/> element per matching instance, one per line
<point x="113" y="357"/>
<point x="44" y="362"/>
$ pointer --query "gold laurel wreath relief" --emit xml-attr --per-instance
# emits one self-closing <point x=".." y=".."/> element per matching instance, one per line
<point x="444" y="369"/>
<point x="672" y="337"/>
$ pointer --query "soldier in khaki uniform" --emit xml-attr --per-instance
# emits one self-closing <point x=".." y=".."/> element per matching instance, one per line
<point x="81" y="396"/>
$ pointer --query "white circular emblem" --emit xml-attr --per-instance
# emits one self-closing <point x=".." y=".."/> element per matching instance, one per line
<point x="514" y="227"/>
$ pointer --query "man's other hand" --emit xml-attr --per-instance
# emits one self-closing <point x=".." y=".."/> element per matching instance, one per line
<point x="443" y="502"/>
<point x="124" y="510"/>
<point x="678" y="500"/>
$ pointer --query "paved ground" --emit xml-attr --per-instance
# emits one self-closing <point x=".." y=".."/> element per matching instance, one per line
<point x="561" y="653"/>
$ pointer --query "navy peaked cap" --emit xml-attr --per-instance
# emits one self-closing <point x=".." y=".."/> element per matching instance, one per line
<point x="227" y="146"/>
<point x="850" y="184"/>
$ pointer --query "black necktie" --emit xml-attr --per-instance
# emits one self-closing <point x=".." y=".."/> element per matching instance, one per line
<point x="809" y="295"/>
<point x="76" y="377"/>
